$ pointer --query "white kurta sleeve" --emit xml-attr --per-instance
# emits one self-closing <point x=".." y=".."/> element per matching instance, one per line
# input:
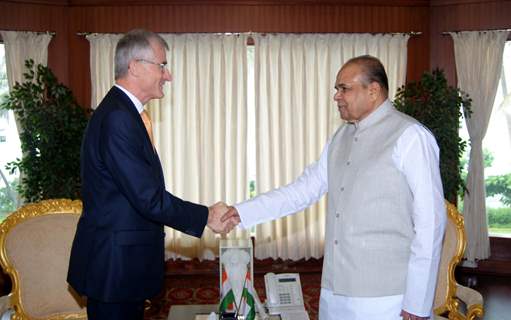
<point x="417" y="156"/>
<point x="308" y="188"/>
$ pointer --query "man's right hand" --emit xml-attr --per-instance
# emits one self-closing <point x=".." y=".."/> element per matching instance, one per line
<point x="231" y="214"/>
<point x="221" y="219"/>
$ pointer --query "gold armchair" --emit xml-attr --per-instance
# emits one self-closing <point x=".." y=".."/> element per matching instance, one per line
<point x="449" y="294"/>
<point x="35" y="243"/>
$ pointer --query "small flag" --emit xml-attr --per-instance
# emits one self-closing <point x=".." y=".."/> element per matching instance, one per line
<point x="227" y="296"/>
<point x="246" y="305"/>
<point x="248" y="295"/>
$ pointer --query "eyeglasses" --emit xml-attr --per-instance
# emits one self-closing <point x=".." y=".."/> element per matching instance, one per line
<point x="162" y="66"/>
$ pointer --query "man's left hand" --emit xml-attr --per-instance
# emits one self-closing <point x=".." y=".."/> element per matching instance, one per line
<point x="409" y="316"/>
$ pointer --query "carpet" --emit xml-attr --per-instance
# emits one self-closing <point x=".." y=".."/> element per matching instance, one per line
<point x="204" y="289"/>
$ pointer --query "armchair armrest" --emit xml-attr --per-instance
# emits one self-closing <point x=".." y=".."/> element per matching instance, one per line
<point x="473" y="301"/>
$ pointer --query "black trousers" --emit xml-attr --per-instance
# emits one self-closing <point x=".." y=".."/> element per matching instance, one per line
<point x="99" y="310"/>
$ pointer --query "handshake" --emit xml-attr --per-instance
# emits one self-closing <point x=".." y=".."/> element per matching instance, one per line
<point x="222" y="218"/>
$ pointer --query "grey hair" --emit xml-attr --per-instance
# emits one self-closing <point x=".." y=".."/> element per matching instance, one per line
<point x="136" y="44"/>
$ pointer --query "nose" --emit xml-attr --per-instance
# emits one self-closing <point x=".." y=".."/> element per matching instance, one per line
<point x="167" y="75"/>
<point x="337" y="95"/>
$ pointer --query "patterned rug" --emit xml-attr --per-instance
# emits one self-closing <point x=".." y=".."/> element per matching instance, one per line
<point x="203" y="289"/>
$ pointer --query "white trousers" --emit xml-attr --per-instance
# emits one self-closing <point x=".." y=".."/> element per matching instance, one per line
<point x="338" y="307"/>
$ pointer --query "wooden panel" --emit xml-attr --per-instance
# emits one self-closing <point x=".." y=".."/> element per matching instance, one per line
<point x="263" y="18"/>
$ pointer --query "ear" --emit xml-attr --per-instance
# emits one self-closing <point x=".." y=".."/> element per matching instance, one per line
<point x="134" y="68"/>
<point x="374" y="90"/>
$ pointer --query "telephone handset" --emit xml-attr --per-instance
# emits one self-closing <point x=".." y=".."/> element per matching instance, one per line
<point x="284" y="296"/>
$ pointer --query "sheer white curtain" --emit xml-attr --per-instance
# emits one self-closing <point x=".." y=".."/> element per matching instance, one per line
<point x="102" y="52"/>
<point x="478" y="66"/>
<point x="200" y="126"/>
<point x="295" y="115"/>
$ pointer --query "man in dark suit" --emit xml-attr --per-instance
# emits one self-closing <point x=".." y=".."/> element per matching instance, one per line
<point x="117" y="257"/>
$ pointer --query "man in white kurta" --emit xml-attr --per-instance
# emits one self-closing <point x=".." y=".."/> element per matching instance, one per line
<point x="386" y="214"/>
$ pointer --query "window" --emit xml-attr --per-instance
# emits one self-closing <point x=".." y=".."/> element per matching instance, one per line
<point x="10" y="146"/>
<point x="497" y="155"/>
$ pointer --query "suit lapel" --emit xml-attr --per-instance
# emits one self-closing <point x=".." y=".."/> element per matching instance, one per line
<point x="128" y="105"/>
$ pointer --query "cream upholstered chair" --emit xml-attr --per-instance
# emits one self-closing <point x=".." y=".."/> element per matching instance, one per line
<point x="35" y="243"/>
<point x="449" y="295"/>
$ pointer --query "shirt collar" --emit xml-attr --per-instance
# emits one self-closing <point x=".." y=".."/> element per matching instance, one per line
<point x="374" y="116"/>
<point x="133" y="99"/>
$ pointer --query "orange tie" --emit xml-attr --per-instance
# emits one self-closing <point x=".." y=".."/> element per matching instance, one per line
<point x="148" y="125"/>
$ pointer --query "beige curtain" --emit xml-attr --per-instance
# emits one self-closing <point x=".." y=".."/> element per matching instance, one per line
<point x="102" y="52"/>
<point x="201" y="129"/>
<point x="200" y="126"/>
<point x="295" y="115"/>
<point x="478" y="66"/>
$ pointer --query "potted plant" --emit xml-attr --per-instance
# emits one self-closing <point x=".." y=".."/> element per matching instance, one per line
<point x="51" y="128"/>
<point x="438" y="106"/>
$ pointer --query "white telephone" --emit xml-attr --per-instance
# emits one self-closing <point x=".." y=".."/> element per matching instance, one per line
<point x="284" y="296"/>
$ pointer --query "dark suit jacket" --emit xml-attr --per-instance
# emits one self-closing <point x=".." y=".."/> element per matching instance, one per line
<point x="118" y="250"/>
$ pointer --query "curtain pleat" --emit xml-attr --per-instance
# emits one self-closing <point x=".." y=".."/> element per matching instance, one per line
<point x="201" y="129"/>
<point x="102" y="53"/>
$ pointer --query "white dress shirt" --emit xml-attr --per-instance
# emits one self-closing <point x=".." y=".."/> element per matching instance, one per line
<point x="133" y="99"/>
<point x="416" y="155"/>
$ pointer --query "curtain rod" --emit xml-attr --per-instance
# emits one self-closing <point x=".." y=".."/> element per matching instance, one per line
<point x="51" y="33"/>
<point x="458" y="31"/>
<point x="86" y="33"/>
<point x="411" y="33"/>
